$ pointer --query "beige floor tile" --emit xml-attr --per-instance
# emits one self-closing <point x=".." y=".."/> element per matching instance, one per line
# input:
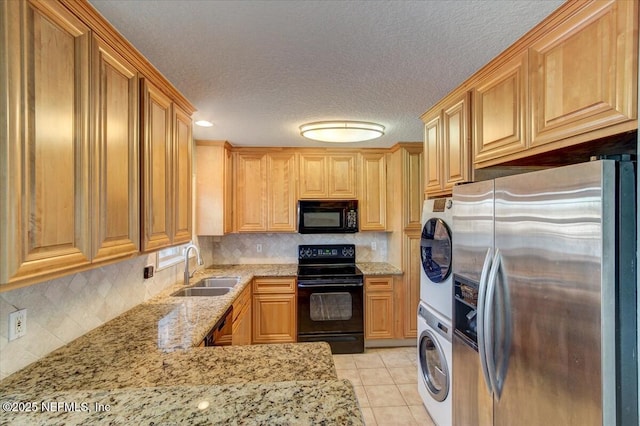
<point x="368" y="417"/>
<point x="344" y="362"/>
<point x="410" y="394"/>
<point x="368" y="360"/>
<point x="352" y="375"/>
<point x="404" y="375"/>
<point x="396" y="416"/>
<point x="363" y="400"/>
<point x="396" y="359"/>
<point x="384" y="396"/>
<point x="375" y="376"/>
<point x="420" y="414"/>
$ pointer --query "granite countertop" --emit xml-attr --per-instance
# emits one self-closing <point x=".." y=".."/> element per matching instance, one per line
<point x="378" y="268"/>
<point x="146" y="358"/>
<point x="300" y="402"/>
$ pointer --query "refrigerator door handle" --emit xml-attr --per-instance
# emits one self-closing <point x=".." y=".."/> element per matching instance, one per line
<point x="487" y="319"/>
<point x="502" y="317"/>
<point x="482" y="292"/>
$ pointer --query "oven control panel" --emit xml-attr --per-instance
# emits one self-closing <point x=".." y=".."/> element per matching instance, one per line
<point x="337" y="252"/>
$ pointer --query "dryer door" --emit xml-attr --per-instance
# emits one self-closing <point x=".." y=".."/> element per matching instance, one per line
<point x="433" y="366"/>
<point x="435" y="250"/>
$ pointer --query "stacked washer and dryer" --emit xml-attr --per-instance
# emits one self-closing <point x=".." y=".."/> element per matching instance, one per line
<point x="435" y="331"/>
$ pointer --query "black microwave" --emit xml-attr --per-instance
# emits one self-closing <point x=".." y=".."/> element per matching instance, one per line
<point x="327" y="216"/>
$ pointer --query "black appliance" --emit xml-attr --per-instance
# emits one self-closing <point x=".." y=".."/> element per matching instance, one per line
<point x="330" y="297"/>
<point x="327" y="216"/>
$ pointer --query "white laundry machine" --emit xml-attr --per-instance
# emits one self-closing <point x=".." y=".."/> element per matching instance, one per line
<point x="434" y="364"/>
<point x="436" y="288"/>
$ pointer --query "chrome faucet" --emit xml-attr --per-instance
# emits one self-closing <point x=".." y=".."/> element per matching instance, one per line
<point x="188" y="275"/>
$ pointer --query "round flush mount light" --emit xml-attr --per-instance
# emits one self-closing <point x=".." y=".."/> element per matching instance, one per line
<point x="341" y="131"/>
<point x="203" y="123"/>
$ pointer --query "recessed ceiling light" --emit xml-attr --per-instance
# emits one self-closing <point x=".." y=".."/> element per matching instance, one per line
<point x="204" y="123"/>
<point x="342" y="131"/>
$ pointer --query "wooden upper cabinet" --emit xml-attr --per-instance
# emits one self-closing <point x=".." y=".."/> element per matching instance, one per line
<point x="447" y="144"/>
<point x="412" y="173"/>
<point x="456" y="141"/>
<point x="157" y="187"/>
<point x="432" y="150"/>
<point x="342" y="176"/>
<point x="313" y="176"/>
<point x="214" y="188"/>
<point x="251" y="192"/>
<point x="281" y="192"/>
<point x="182" y="176"/>
<point x="44" y="208"/>
<point x="328" y="176"/>
<point x="500" y="100"/>
<point x="114" y="157"/>
<point x="373" y="193"/>
<point x="584" y="74"/>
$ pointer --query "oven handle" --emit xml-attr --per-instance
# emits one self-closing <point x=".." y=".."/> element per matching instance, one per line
<point x="331" y="283"/>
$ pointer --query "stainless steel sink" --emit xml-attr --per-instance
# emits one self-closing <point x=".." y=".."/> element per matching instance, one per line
<point x="200" y="291"/>
<point x="217" y="282"/>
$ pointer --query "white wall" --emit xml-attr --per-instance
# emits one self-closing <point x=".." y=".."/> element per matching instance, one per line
<point x="63" y="309"/>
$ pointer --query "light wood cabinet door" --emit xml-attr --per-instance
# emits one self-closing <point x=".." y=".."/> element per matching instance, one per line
<point x="242" y="318"/>
<point x="456" y="142"/>
<point x="182" y="177"/>
<point x="313" y="176"/>
<point x="447" y="144"/>
<point x="412" y="173"/>
<point x="500" y="102"/>
<point x="411" y="281"/>
<point x="214" y="188"/>
<point x="157" y="176"/>
<point x="274" y="318"/>
<point x="342" y="176"/>
<point x="379" y="310"/>
<point x="251" y="192"/>
<point x="281" y="202"/>
<point x="44" y="139"/>
<point x="228" y="194"/>
<point x="584" y="73"/>
<point x="432" y="151"/>
<point x="328" y="176"/>
<point x="373" y="193"/>
<point x="114" y="155"/>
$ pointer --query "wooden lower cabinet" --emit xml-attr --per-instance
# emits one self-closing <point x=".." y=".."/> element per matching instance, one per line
<point x="379" y="310"/>
<point x="274" y="310"/>
<point x="242" y="318"/>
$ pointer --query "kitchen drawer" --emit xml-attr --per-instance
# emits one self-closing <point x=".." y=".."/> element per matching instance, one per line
<point x="279" y="285"/>
<point x="382" y="283"/>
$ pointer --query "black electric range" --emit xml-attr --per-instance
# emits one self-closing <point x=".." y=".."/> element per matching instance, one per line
<point x="330" y="297"/>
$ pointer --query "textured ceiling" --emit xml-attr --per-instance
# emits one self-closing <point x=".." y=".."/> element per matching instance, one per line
<point x="260" y="69"/>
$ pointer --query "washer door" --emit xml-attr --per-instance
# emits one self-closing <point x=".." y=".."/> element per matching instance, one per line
<point x="433" y="366"/>
<point x="435" y="250"/>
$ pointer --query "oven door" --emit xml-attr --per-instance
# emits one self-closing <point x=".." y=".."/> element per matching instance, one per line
<point x="332" y="312"/>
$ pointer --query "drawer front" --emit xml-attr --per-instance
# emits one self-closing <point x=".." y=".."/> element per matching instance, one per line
<point x="274" y="285"/>
<point x="383" y="283"/>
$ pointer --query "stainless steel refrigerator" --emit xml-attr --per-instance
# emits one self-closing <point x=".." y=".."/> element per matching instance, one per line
<point x="545" y="298"/>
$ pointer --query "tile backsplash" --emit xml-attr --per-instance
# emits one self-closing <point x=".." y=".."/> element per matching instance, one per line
<point x="283" y="248"/>
<point x="63" y="309"/>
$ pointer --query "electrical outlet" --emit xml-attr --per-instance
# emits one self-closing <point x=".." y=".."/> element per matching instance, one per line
<point x="17" y="324"/>
<point x="374" y="246"/>
<point x="259" y="248"/>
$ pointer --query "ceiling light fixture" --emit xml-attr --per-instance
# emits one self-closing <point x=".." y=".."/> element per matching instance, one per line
<point x="342" y="131"/>
<point x="204" y="123"/>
